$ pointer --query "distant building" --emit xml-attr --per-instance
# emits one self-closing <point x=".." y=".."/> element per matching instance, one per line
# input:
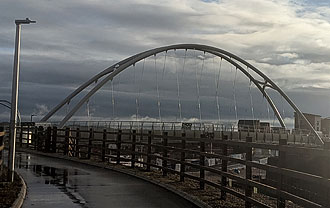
<point x="325" y="126"/>
<point x="279" y="130"/>
<point x="264" y="126"/>
<point x="314" y="120"/>
<point x="253" y="125"/>
<point x="248" y="125"/>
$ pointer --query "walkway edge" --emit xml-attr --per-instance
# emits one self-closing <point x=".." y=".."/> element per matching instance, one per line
<point x="182" y="194"/>
<point x="21" y="196"/>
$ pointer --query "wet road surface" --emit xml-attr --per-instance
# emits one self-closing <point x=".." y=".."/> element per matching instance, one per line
<point x="59" y="183"/>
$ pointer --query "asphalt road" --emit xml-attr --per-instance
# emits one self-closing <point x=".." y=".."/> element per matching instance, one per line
<point x="60" y="183"/>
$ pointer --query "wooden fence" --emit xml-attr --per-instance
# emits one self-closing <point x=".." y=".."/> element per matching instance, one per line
<point x="2" y="147"/>
<point x="205" y="159"/>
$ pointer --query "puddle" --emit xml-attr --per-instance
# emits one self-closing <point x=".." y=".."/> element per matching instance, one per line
<point x="62" y="178"/>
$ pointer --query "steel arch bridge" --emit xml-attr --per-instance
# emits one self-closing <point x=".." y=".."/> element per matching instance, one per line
<point x="109" y="73"/>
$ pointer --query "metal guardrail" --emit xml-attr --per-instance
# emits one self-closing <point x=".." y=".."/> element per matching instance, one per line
<point x="186" y="154"/>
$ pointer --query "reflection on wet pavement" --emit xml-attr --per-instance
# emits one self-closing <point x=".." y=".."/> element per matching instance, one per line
<point x="59" y="183"/>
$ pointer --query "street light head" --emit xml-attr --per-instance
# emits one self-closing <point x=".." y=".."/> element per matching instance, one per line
<point x="26" y="21"/>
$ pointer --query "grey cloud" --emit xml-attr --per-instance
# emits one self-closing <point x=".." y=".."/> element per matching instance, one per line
<point x="73" y="41"/>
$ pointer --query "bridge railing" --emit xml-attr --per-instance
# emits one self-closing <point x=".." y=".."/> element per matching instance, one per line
<point x="2" y="147"/>
<point x="232" y="164"/>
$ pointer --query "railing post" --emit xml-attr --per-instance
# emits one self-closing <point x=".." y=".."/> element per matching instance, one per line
<point x="2" y="131"/>
<point x="133" y="148"/>
<point x="35" y="137"/>
<point x="202" y="163"/>
<point x="54" y="139"/>
<point x="164" y="163"/>
<point x="325" y="174"/>
<point x="183" y="157"/>
<point x="104" y="139"/>
<point x="281" y="164"/>
<point x="48" y="139"/>
<point x="28" y="137"/>
<point x="90" y="139"/>
<point x="149" y="151"/>
<point x="1" y="151"/>
<point x="77" y="143"/>
<point x="248" y="173"/>
<point x="21" y="136"/>
<point x="66" y="141"/>
<point x="224" y="167"/>
<point x="118" y="146"/>
<point x="39" y="138"/>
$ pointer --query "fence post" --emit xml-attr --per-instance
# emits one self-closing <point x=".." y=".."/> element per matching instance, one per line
<point x="1" y="151"/>
<point x="164" y="163"/>
<point x="90" y="139"/>
<point x="118" y="146"/>
<point x="325" y="174"/>
<point x="281" y="164"/>
<point x="183" y="157"/>
<point x="202" y="163"/>
<point x="66" y="141"/>
<point x="77" y="142"/>
<point x="133" y="148"/>
<point x="224" y="167"/>
<point x="54" y="139"/>
<point x="28" y="137"/>
<point x="39" y="138"/>
<point x="21" y="136"/>
<point x="48" y="139"/>
<point x="248" y="173"/>
<point x="104" y="144"/>
<point x="149" y="151"/>
<point x="34" y="137"/>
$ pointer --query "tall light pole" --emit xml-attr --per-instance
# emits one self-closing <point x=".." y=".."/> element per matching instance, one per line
<point x="14" y="96"/>
<point x="32" y="116"/>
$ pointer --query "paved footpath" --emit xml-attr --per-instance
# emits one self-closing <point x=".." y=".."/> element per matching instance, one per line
<point x="60" y="183"/>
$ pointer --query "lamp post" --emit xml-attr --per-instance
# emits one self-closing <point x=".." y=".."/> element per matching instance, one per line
<point x="32" y="116"/>
<point x="14" y="97"/>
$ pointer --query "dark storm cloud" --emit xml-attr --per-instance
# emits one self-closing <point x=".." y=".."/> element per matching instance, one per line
<point x="73" y="41"/>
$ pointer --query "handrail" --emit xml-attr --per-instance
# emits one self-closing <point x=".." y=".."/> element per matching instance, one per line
<point x="144" y="149"/>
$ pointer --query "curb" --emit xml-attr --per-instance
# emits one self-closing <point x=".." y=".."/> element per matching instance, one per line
<point x="21" y="196"/>
<point x="182" y="194"/>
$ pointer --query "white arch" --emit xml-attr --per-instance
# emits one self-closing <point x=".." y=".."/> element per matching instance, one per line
<point x="115" y="69"/>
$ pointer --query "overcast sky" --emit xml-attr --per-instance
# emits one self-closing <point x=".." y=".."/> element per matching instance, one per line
<point x="288" y="40"/>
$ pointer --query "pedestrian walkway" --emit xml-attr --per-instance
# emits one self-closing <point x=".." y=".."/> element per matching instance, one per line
<point x="60" y="183"/>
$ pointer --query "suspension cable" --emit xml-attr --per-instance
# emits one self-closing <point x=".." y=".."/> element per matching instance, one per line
<point x="251" y="99"/>
<point x="112" y="100"/>
<point x="137" y="101"/>
<point x="157" y="88"/>
<point x="135" y="87"/>
<point x="87" y="109"/>
<point x="178" y="87"/>
<point x="268" y="111"/>
<point x="198" y="90"/>
<point x="113" y="97"/>
<point x="283" y="110"/>
<point x="164" y="65"/>
<point x="234" y="91"/>
<point x="217" y="91"/>
<point x="67" y="107"/>
<point x="182" y="76"/>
